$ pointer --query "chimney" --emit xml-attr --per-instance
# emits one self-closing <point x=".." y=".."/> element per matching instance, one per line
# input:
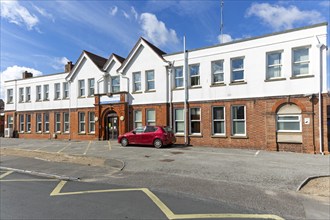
<point x="68" y="67"/>
<point x="26" y="75"/>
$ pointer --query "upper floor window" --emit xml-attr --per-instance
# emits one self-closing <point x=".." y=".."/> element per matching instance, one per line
<point x="178" y="77"/>
<point x="91" y="89"/>
<point x="150" y="76"/>
<point x="195" y="120"/>
<point x="65" y="90"/>
<point x="194" y="75"/>
<point x="217" y="71"/>
<point x="28" y="94"/>
<point x="137" y="118"/>
<point x="238" y="120"/>
<point x="178" y="120"/>
<point x="237" y="69"/>
<point x="81" y="87"/>
<point x="10" y="96"/>
<point x="300" y="62"/>
<point x="38" y="93"/>
<point x="57" y="90"/>
<point x="115" y="84"/>
<point x="137" y="81"/>
<point x="21" y="94"/>
<point x="274" y="65"/>
<point x="46" y="92"/>
<point x="151" y="117"/>
<point x="218" y="122"/>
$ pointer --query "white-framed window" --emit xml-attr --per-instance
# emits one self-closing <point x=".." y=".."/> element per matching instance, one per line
<point x="288" y="123"/>
<point x="21" y="95"/>
<point x="28" y="123"/>
<point x="38" y="93"/>
<point x="195" y="120"/>
<point x="237" y="69"/>
<point x="91" y="89"/>
<point x="28" y="94"/>
<point x="39" y="122"/>
<point x="82" y="122"/>
<point x="91" y="122"/>
<point x="178" y="77"/>
<point x="46" y="122"/>
<point x="238" y="120"/>
<point x="57" y="122"/>
<point x="46" y="92"/>
<point x="217" y="71"/>
<point x="151" y="117"/>
<point x="21" y="123"/>
<point x="136" y="81"/>
<point x="57" y="90"/>
<point x="137" y="118"/>
<point x="81" y="87"/>
<point x="65" y="90"/>
<point x="274" y="65"/>
<point x="10" y="121"/>
<point x="179" y="120"/>
<point x="150" y="80"/>
<point x="115" y="84"/>
<point x="194" y="75"/>
<point x="66" y="122"/>
<point x="300" y="61"/>
<point x="218" y="120"/>
<point x="10" y="96"/>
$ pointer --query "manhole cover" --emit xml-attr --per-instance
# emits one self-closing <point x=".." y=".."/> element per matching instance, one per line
<point x="167" y="160"/>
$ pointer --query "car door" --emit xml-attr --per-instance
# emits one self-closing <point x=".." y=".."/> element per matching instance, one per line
<point x="135" y="137"/>
<point x="148" y="135"/>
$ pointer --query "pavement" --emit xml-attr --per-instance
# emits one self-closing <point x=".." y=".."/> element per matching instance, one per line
<point x="274" y="175"/>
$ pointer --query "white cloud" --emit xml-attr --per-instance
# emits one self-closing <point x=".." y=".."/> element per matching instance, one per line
<point x="225" y="38"/>
<point x="135" y="14"/>
<point x="58" y="63"/>
<point x="325" y="4"/>
<point x="113" y="10"/>
<point x="279" y="17"/>
<point x="125" y="14"/>
<point x="17" y="14"/>
<point x="156" y="31"/>
<point x="15" y="72"/>
<point x="44" y="13"/>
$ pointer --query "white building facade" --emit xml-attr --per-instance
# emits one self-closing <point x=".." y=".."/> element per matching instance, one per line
<point x="268" y="92"/>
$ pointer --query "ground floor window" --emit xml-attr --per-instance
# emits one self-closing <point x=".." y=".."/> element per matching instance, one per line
<point x="195" y="120"/>
<point x="46" y="122"/>
<point x="238" y="120"/>
<point x="218" y="120"/>
<point x="137" y="118"/>
<point x="10" y="121"/>
<point x="91" y="118"/>
<point x="289" y="123"/>
<point x="21" y="123"/>
<point x="57" y="122"/>
<point x="38" y="122"/>
<point x="178" y="121"/>
<point x="28" y="123"/>
<point x="66" y="122"/>
<point x="151" y="117"/>
<point x="82" y="122"/>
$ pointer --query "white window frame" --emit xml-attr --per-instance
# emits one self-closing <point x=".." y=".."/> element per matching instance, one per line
<point x="195" y="120"/>
<point x="57" y="91"/>
<point x="10" y="95"/>
<point x="135" y="83"/>
<point x="39" y="122"/>
<point x="65" y="90"/>
<point x="28" y="94"/>
<point x="233" y="120"/>
<point x="81" y="88"/>
<point x="235" y="70"/>
<point x="149" y="121"/>
<point x="300" y="63"/>
<point x="178" y="78"/>
<point x="177" y="121"/>
<point x="219" y="120"/>
<point x="10" y="120"/>
<point x="217" y="72"/>
<point x="46" y="92"/>
<point x="38" y="93"/>
<point x="137" y="122"/>
<point x="28" y="123"/>
<point x="91" y="87"/>
<point x="57" y="122"/>
<point x="284" y="121"/>
<point x="115" y="87"/>
<point x="150" y="80"/>
<point x="66" y="124"/>
<point x="21" y="123"/>
<point x="91" y="123"/>
<point x="46" y="122"/>
<point x="273" y="66"/>
<point x="191" y="77"/>
<point x="82" y="122"/>
<point x="21" y="94"/>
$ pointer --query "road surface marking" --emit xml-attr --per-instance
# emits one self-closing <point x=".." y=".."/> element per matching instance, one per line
<point x="6" y="174"/>
<point x="30" y="180"/>
<point x="64" y="148"/>
<point x="167" y="212"/>
<point x="87" y="148"/>
<point x="109" y="143"/>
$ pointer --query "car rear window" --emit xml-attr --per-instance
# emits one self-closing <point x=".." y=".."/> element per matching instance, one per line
<point x="168" y="129"/>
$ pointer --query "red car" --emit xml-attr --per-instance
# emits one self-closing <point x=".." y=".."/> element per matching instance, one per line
<point x="148" y="135"/>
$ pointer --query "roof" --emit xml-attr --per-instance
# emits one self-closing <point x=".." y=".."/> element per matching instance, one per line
<point x="97" y="60"/>
<point x="119" y="58"/>
<point x="156" y="49"/>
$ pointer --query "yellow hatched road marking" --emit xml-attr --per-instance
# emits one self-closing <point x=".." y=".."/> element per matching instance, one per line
<point x="169" y="214"/>
<point x="6" y="174"/>
<point x="30" y="180"/>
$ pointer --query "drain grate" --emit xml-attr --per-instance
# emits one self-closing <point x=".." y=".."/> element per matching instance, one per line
<point x="166" y="160"/>
<point x="177" y="152"/>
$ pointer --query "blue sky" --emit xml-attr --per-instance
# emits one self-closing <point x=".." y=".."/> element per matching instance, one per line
<point x="41" y="36"/>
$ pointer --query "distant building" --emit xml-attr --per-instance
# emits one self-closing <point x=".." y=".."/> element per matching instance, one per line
<point x="258" y="93"/>
<point x="2" y="118"/>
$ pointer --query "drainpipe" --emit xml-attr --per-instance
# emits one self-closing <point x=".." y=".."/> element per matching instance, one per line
<point x="170" y="70"/>
<point x="321" y="46"/>
<point x="185" y="63"/>
<point x="125" y="77"/>
<point x="70" y="95"/>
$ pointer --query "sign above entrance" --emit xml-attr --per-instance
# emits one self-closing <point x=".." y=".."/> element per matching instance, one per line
<point x="109" y="100"/>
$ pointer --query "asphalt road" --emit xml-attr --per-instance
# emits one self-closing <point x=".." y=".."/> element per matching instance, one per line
<point x="26" y="196"/>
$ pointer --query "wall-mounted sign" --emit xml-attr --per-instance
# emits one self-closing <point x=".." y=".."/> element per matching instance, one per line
<point x="307" y="121"/>
<point x="122" y="118"/>
<point x="108" y="100"/>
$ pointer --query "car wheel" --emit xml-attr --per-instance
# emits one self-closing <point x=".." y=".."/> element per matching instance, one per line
<point x="158" y="143"/>
<point x="124" y="142"/>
